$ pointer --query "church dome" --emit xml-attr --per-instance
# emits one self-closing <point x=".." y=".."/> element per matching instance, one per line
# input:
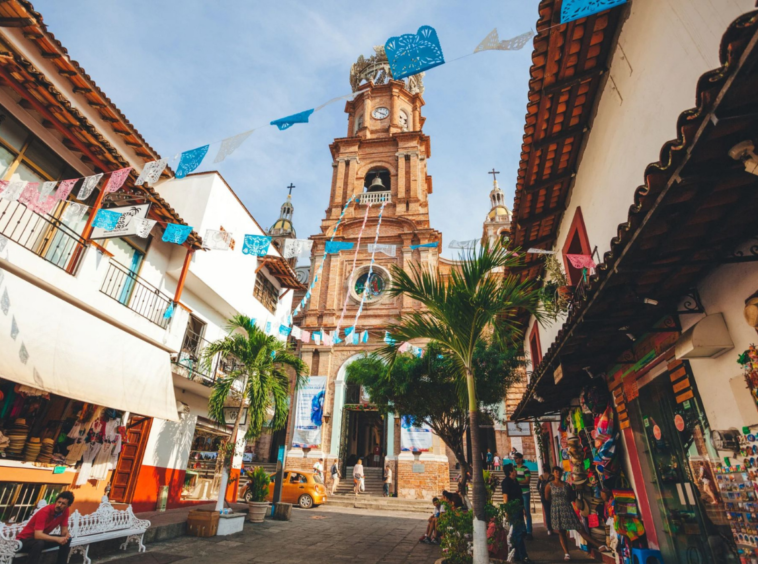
<point x="282" y="226"/>
<point x="498" y="213"/>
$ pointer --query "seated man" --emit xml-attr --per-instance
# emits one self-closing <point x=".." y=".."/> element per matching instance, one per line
<point x="35" y="536"/>
<point x="432" y="535"/>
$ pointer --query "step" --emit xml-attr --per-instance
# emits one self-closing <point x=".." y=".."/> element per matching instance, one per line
<point x="380" y="503"/>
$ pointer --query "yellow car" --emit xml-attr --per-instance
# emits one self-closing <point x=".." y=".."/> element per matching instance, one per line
<point x="305" y="489"/>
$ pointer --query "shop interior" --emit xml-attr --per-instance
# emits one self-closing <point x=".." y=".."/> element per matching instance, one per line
<point x="42" y="430"/>
<point x="204" y="468"/>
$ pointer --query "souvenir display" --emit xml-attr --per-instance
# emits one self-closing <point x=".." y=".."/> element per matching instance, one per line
<point x="737" y="488"/>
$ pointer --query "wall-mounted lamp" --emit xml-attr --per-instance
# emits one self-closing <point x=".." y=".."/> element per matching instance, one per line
<point x="327" y="417"/>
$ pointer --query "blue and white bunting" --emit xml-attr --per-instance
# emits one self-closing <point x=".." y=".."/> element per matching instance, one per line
<point x="289" y="121"/>
<point x="256" y="245"/>
<point x="176" y="234"/>
<point x="190" y="160"/>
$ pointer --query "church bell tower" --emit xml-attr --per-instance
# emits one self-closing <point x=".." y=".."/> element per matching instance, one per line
<point x="379" y="167"/>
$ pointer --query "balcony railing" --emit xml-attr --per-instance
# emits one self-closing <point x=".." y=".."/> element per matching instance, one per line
<point x="376" y="197"/>
<point x="140" y="296"/>
<point x="189" y="361"/>
<point x="45" y="236"/>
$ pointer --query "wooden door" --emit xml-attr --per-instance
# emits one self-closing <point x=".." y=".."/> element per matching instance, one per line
<point x="124" y="479"/>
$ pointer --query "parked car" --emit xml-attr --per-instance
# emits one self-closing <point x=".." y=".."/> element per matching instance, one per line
<point x="300" y="488"/>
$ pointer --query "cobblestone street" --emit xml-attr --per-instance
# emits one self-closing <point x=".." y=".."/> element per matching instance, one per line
<point x="315" y="536"/>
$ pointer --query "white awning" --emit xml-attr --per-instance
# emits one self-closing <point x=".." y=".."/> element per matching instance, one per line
<point x="78" y="355"/>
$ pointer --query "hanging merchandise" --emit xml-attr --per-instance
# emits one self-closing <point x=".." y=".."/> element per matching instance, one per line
<point x="143" y="226"/>
<point x="296" y="247"/>
<point x="73" y="213"/>
<point x="352" y="268"/>
<point x="175" y="233"/>
<point x="256" y="245"/>
<point x="217" y="240"/>
<point x="231" y="144"/>
<point x="151" y="172"/>
<point x="424" y="246"/>
<point x="411" y="54"/>
<point x="106" y="219"/>
<point x="117" y="179"/>
<point x="88" y="186"/>
<point x="492" y="42"/>
<point x="575" y="9"/>
<point x="289" y="121"/>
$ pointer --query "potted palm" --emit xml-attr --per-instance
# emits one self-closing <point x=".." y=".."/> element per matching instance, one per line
<point x="256" y="493"/>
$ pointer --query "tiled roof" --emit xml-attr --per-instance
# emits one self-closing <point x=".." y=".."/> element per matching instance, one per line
<point x="697" y="206"/>
<point x="568" y="66"/>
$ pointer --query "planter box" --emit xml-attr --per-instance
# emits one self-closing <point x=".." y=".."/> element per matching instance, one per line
<point x="230" y="524"/>
<point x="202" y="523"/>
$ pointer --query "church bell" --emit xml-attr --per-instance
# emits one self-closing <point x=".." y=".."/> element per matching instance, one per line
<point x="376" y="185"/>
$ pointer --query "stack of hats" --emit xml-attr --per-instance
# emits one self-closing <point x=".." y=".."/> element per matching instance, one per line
<point x="576" y="455"/>
<point x="46" y="452"/>
<point x="31" y="452"/>
<point x="17" y="435"/>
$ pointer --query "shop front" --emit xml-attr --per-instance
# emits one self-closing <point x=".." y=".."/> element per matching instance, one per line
<point x="204" y="467"/>
<point x="50" y="443"/>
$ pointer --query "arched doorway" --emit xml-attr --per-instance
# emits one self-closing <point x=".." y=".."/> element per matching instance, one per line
<point x="358" y="431"/>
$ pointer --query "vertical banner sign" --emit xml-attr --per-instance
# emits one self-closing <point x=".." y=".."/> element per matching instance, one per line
<point x="309" y="413"/>
<point x="412" y="438"/>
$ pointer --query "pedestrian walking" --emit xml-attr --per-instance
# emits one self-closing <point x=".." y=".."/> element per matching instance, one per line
<point x="36" y="535"/>
<point x="512" y="492"/>
<point x="387" y="480"/>
<point x="318" y="468"/>
<point x="545" y="478"/>
<point x="358" y="477"/>
<point x="524" y="477"/>
<point x="496" y="462"/>
<point x="335" y="472"/>
<point x="562" y="515"/>
<point x="489" y="459"/>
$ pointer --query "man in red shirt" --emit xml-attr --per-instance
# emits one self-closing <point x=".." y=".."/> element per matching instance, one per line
<point x="35" y="536"/>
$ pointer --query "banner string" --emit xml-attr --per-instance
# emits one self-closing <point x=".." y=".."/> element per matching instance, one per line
<point x="355" y="259"/>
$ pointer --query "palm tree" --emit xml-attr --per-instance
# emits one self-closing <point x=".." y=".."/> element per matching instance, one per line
<point x="255" y="376"/>
<point x="480" y="300"/>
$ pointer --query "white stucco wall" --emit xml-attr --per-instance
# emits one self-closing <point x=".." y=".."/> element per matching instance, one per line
<point x="663" y="49"/>
<point x="725" y="292"/>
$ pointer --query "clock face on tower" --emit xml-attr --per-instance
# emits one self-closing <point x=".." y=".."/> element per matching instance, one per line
<point x="380" y="113"/>
<point x="369" y="287"/>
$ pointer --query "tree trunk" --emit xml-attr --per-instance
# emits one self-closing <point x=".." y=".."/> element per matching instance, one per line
<point x="481" y="554"/>
<point x="227" y="473"/>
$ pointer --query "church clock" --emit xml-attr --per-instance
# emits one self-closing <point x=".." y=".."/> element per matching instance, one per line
<point x="380" y="113"/>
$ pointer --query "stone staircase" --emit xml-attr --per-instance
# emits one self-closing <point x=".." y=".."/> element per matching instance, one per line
<point x="499" y="490"/>
<point x="373" y="481"/>
<point x="380" y="503"/>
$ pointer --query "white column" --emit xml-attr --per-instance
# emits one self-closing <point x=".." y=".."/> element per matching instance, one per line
<point x="337" y="408"/>
<point x="390" y="436"/>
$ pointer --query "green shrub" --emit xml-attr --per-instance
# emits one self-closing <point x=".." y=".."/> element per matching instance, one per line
<point x="259" y="481"/>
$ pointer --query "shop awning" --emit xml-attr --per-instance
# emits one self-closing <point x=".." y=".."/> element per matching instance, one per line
<point x="76" y="354"/>
<point x="695" y="209"/>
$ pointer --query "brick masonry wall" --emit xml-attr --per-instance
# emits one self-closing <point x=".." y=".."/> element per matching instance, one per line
<point x="423" y="485"/>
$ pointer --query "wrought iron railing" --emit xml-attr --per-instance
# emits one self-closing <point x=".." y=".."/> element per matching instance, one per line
<point x="140" y="296"/>
<point x="189" y="361"/>
<point x="45" y="236"/>
<point x="376" y="197"/>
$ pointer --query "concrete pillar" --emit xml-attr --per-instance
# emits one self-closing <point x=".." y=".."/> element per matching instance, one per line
<point x="337" y="408"/>
<point x="390" y="436"/>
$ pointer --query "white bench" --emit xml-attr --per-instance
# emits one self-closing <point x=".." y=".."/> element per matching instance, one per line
<point x="104" y="524"/>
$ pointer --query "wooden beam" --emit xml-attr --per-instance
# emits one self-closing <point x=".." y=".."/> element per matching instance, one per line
<point x="46" y="55"/>
<point x="183" y="274"/>
<point x="16" y="22"/>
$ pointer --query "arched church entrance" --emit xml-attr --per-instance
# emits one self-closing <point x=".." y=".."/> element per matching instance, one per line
<point x="359" y="432"/>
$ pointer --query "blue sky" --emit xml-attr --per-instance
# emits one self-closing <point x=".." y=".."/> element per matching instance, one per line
<point x="188" y="72"/>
